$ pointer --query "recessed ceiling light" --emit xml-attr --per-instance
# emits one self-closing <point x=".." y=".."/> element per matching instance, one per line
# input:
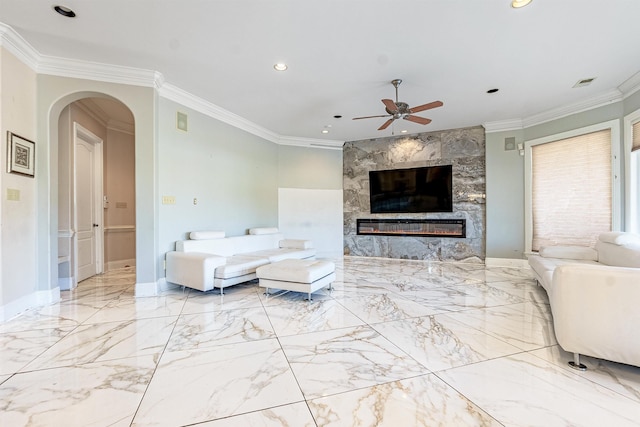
<point x="64" y="11"/>
<point x="516" y="4"/>
<point x="403" y="131"/>
<point x="493" y="90"/>
<point x="325" y="130"/>
<point x="337" y="116"/>
<point x="280" y="66"/>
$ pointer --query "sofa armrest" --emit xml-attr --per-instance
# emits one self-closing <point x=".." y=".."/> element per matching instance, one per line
<point x="569" y="252"/>
<point x="595" y="311"/>
<point x="296" y="244"/>
<point x="193" y="269"/>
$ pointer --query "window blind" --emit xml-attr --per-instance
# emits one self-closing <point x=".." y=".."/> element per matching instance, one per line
<point x="635" y="145"/>
<point x="571" y="190"/>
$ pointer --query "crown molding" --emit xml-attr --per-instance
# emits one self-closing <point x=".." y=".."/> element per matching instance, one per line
<point x="92" y="109"/>
<point x="207" y="108"/>
<point x="331" y="144"/>
<point x="122" y="127"/>
<point x="603" y="99"/>
<point x="65" y="67"/>
<point x="630" y="86"/>
<point x="98" y="114"/>
<point x="196" y="103"/>
<point x="503" y="125"/>
<point x="19" y="47"/>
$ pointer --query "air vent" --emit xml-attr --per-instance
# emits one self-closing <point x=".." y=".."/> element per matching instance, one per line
<point x="584" y="82"/>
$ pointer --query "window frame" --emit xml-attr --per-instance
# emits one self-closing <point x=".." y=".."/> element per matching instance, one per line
<point x="631" y="171"/>
<point x="616" y="211"/>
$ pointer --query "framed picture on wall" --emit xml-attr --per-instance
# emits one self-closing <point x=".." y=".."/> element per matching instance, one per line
<point x="21" y="155"/>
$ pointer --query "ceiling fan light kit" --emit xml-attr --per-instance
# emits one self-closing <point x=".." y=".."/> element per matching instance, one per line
<point x="516" y="4"/>
<point x="400" y="110"/>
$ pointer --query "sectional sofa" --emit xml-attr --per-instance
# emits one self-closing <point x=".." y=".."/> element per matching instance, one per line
<point x="595" y="296"/>
<point x="209" y="259"/>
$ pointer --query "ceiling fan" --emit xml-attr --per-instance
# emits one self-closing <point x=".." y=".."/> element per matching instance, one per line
<point x="401" y="110"/>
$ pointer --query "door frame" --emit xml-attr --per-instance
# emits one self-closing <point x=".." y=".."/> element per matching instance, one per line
<point x="80" y="132"/>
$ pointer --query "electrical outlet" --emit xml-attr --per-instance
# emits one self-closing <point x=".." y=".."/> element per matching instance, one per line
<point x="168" y="200"/>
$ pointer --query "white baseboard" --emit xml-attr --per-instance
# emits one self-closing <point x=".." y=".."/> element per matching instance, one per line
<point x="24" y="303"/>
<point x="152" y="289"/>
<point x="66" y="283"/>
<point x="116" y="265"/>
<point x="506" y="262"/>
<point x="148" y="289"/>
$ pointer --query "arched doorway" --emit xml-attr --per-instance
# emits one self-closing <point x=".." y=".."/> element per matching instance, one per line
<point x="96" y="189"/>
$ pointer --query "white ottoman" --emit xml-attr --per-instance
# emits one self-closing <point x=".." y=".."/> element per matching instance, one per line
<point x="298" y="275"/>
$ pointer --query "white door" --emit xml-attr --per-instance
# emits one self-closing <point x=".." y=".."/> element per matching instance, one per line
<point x="88" y="206"/>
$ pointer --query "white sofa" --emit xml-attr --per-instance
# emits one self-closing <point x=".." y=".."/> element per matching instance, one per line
<point x="594" y="296"/>
<point x="210" y="260"/>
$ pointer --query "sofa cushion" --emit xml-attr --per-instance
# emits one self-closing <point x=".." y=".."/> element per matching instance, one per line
<point x="239" y="266"/>
<point x="230" y="246"/>
<point x="619" y="238"/>
<point x="204" y="235"/>
<point x="544" y="267"/>
<point x="296" y="244"/>
<point x="274" y="255"/>
<point x="618" y="255"/>
<point x="262" y="230"/>
<point x="569" y="252"/>
<point x="193" y="269"/>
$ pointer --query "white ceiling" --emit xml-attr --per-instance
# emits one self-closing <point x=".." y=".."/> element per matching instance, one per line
<point x="342" y="55"/>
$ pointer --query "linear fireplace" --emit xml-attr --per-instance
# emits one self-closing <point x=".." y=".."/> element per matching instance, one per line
<point x="413" y="227"/>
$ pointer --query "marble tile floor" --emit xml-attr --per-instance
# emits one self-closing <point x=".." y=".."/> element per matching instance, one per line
<point x="395" y="343"/>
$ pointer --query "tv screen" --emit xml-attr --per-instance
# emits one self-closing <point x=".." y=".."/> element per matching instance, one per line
<point x="424" y="189"/>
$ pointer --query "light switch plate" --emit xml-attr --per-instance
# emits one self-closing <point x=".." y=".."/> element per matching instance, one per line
<point x="13" y="194"/>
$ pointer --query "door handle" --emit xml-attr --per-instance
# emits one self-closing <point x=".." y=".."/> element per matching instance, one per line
<point x="96" y="225"/>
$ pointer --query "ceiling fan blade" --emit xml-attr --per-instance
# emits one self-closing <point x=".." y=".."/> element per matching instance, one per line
<point x="369" y="117"/>
<point x="386" y="124"/>
<point x="391" y="106"/>
<point x="416" y="119"/>
<point x="428" y="106"/>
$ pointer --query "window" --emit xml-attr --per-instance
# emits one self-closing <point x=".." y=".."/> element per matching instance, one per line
<point x="632" y="171"/>
<point x="572" y="190"/>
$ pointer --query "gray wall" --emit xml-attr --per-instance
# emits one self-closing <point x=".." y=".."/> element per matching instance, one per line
<point x="462" y="148"/>
<point x="236" y="177"/>
<point x="54" y="94"/>
<point x="505" y="174"/>
<point x="310" y="197"/>
<point x="310" y="168"/>
<point x="232" y="174"/>
<point x="505" y="197"/>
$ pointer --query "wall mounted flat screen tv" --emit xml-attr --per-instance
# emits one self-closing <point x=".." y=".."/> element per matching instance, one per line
<point x="424" y="189"/>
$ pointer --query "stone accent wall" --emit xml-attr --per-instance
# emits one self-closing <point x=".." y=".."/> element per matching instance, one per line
<point x="464" y="149"/>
